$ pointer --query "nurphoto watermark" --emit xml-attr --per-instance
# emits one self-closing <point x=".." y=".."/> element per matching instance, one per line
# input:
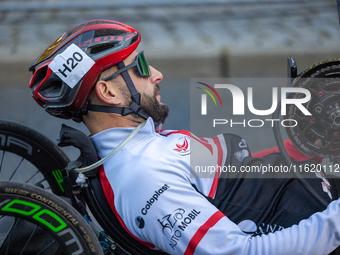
<point x="233" y="120"/>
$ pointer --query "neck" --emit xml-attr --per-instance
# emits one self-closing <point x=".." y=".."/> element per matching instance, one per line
<point x="102" y="121"/>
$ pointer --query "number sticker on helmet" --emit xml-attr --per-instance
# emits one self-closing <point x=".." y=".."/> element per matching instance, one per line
<point x="71" y="65"/>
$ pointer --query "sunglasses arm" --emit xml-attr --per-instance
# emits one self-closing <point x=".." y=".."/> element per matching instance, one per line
<point x="112" y="76"/>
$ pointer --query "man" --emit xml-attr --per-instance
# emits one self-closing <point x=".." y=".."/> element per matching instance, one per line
<point x="93" y="74"/>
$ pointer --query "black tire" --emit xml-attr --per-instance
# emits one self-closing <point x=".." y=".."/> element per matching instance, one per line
<point x="50" y="213"/>
<point x="26" y="156"/>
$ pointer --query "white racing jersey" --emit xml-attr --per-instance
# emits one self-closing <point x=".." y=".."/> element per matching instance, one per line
<point x="150" y="189"/>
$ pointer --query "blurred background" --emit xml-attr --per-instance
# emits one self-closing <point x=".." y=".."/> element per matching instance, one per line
<point x="183" y="39"/>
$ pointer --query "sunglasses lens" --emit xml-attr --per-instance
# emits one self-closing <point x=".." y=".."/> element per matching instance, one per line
<point x="143" y="65"/>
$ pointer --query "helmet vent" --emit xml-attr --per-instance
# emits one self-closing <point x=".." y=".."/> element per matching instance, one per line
<point x="102" y="47"/>
<point x="53" y="88"/>
<point x="134" y="39"/>
<point x="40" y="75"/>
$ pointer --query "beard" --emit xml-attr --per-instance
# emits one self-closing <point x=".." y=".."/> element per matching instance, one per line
<point x="158" y="111"/>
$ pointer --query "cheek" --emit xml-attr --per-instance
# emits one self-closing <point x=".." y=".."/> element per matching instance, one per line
<point x="134" y="76"/>
<point x="141" y="84"/>
<point x="145" y="87"/>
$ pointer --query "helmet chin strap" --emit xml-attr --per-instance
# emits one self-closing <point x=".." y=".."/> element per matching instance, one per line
<point x="134" y="107"/>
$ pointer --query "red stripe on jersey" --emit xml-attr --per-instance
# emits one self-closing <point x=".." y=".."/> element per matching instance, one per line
<point x="198" y="236"/>
<point x="183" y="132"/>
<point x="292" y="151"/>
<point x="205" y="143"/>
<point x="110" y="198"/>
<point x="209" y="147"/>
<point x="219" y="163"/>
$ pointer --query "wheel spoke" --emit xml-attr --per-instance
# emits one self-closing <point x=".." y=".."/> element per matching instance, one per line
<point x="28" y="240"/>
<point x="37" y="172"/>
<point x="47" y="246"/>
<point x="7" y="241"/>
<point x="16" y="169"/>
<point x="2" y="160"/>
<point x="27" y="157"/>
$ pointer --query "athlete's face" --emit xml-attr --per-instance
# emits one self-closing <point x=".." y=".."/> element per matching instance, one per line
<point x="150" y="91"/>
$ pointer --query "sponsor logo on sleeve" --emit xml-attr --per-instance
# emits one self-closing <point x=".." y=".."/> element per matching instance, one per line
<point x="154" y="198"/>
<point x="249" y="227"/>
<point x="176" y="223"/>
<point x="243" y="144"/>
<point x="240" y="155"/>
<point x="139" y="220"/>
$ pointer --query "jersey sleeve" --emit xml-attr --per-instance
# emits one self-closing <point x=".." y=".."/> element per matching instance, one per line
<point x="292" y="151"/>
<point x="182" y="221"/>
<point x="158" y="205"/>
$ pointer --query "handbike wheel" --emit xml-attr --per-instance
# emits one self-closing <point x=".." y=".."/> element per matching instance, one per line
<point x="50" y="213"/>
<point x="26" y="156"/>
<point x="317" y="134"/>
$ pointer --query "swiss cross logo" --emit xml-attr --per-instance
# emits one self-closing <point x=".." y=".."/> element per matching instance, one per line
<point x="183" y="149"/>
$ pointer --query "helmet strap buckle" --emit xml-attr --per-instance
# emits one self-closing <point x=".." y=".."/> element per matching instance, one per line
<point x="136" y="98"/>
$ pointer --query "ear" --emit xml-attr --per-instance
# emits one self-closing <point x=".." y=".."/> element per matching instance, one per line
<point x="108" y="92"/>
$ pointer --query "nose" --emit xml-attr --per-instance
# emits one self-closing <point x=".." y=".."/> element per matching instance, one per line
<point x="156" y="76"/>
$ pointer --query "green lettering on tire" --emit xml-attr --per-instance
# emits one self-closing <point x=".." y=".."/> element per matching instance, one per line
<point x="48" y="224"/>
<point x="29" y="206"/>
<point x="45" y="217"/>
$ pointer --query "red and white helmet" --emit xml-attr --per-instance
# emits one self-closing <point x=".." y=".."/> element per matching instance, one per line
<point x="106" y="42"/>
